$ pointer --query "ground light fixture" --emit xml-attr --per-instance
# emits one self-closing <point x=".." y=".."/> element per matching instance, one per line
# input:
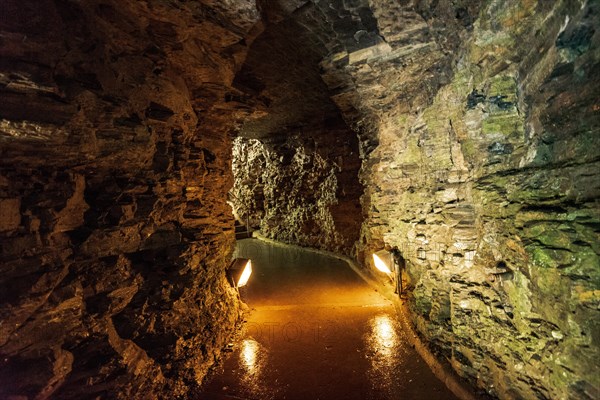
<point x="384" y="261"/>
<point x="239" y="272"/>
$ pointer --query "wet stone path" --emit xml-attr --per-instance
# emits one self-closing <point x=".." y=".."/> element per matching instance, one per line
<point x="317" y="331"/>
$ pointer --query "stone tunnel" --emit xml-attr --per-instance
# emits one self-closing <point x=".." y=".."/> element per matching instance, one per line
<point x="461" y="135"/>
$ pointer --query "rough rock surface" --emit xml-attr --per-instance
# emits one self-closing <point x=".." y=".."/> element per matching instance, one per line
<point x="115" y="163"/>
<point x="480" y="133"/>
<point x="303" y="190"/>
<point x="296" y="162"/>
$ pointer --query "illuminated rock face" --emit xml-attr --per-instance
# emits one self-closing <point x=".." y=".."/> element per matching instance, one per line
<point x="480" y="133"/>
<point x="474" y="152"/>
<point x="296" y="162"/>
<point x="304" y="190"/>
<point x="114" y="228"/>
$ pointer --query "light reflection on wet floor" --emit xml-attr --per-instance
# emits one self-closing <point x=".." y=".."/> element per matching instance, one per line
<point x="317" y="331"/>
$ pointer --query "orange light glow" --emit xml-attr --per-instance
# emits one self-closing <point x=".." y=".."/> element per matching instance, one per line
<point x="383" y="333"/>
<point x="245" y="275"/>
<point x="249" y="354"/>
<point x="239" y="272"/>
<point x="381" y="265"/>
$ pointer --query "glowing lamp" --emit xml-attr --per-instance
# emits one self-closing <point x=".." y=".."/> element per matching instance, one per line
<point x="384" y="261"/>
<point x="240" y="271"/>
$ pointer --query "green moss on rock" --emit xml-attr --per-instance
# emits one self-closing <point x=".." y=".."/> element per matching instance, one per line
<point x="509" y="125"/>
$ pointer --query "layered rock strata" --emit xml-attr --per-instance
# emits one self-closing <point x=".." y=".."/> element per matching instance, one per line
<point x="479" y="128"/>
<point x="115" y="162"/>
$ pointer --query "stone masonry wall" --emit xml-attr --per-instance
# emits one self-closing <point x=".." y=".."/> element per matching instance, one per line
<point x="115" y="163"/>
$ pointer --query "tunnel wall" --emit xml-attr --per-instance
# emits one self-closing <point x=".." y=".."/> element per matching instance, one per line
<point x="114" y="171"/>
<point x="296" y="161"/>
<point x="479" y="129"/>
<point x="301" y="187"/>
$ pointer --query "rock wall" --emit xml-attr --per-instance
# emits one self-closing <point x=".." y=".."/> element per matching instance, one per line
<point x="296" y="161"/>
<point x="479" y="129"/>
<point x="115" y="163"/>
<point x="301" y="187"/>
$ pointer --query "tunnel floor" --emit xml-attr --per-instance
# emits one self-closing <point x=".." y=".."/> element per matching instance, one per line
<point x="317" y="331"/>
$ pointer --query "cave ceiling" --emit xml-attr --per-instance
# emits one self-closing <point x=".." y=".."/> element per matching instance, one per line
<point x="294" y="71"/>
<point x="282" y="70"/>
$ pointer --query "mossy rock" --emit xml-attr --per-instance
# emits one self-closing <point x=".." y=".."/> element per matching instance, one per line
<point x="507" y="124"/>
<point x="588" y="235"/>
<point x="550" y="258"/>
<point x="550" y="236"/>
<point x="422" y="303"/>
<point x="469" y="149"/>
<point x="586" y="267"/>
<point x="550" y="284"/>
<point x="503" y="85"/>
